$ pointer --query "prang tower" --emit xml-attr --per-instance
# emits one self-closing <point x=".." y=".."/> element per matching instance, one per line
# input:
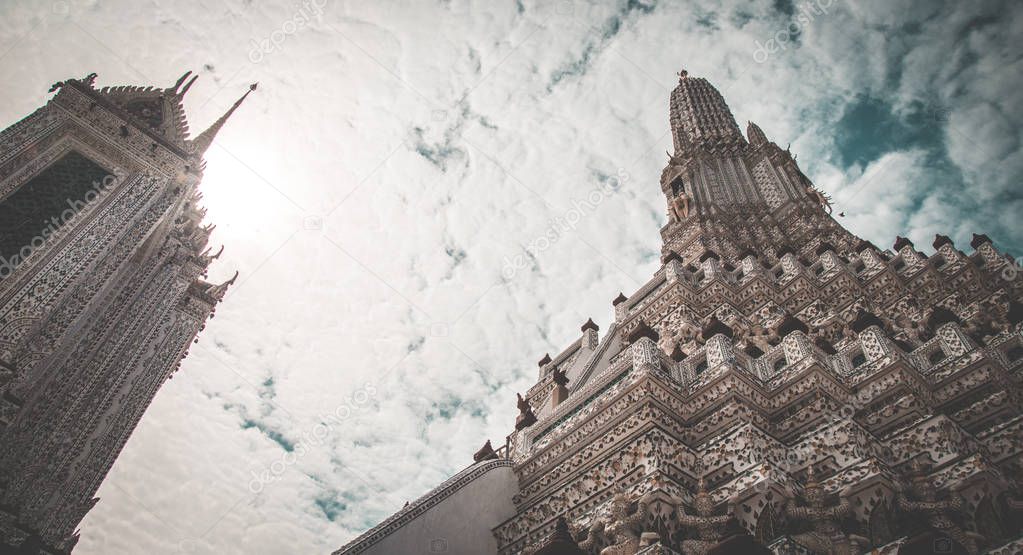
<point x="102" y="258"/>
<point x="778" y="385"/>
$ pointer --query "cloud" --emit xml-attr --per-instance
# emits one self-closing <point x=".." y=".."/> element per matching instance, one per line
<point x="394" y="158"/>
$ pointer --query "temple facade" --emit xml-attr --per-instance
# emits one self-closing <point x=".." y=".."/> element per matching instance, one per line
<point x="102" y="258"/>
<point x="779" y="385"/>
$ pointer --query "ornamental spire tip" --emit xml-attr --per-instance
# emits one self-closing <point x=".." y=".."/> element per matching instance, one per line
<point x="201" y="143"/>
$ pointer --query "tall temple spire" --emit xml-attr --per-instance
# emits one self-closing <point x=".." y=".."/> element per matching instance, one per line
<point x="201" y="143"/>
<point x="761" y="296"/>
<point x="74" y="385"/>
<point x="699" y="116"/>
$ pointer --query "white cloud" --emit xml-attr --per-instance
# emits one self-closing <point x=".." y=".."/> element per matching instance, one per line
<point x="402" y="286"/>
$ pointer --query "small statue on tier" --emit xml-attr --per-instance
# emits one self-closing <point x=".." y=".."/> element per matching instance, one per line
<point x="985" y="323"/>
<point x="943" y="516"/>
<point x="526" y="418"/>
<point x="594" y="536"/>
<point x="679" y="208"/>
<point x="624" y="528"/>
<point x="710" y="529"/>
<point x="827" y="535"/>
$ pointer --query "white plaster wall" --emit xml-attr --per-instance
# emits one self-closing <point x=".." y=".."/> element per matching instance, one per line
<point x="461" y="524"/>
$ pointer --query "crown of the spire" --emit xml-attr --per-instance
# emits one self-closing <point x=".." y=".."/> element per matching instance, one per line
<point x="201" y="143"/>
<point x="699" y="115"/>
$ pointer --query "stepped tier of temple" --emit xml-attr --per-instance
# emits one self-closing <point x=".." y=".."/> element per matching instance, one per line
<point x="779" y="385"/>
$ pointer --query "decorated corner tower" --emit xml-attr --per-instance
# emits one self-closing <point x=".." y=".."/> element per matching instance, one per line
<point x="102" y="290"/>
<point x="779" y="385"/>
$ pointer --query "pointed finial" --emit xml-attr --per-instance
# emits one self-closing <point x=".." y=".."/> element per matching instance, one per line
<point x="217" y="291"/>
<point x="188" y="85"/>
<point x="177" y="84"/>
<point x="201" y="143"/>
<point x="485" y="453"/>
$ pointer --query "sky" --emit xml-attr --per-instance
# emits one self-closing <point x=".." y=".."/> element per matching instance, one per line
<point x="423" y="198"/>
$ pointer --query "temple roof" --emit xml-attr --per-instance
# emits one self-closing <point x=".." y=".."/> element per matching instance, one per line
<point x="158" y="112"/>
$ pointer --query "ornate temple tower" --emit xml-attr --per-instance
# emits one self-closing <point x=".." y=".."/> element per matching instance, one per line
<point x="102" y="255"/>
<point x="778" y="385"/>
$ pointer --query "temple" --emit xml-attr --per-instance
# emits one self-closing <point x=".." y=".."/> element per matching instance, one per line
<point x="779" y="385"/>
<point x="103" y="255"/>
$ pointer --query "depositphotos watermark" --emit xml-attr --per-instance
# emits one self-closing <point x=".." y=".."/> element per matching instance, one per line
<point x="806" y="13"/>
<point x="314" y="437"/>
<point x="303" y="16"/>
<point x="75" y="207"/>
<point x="557" y="227"/>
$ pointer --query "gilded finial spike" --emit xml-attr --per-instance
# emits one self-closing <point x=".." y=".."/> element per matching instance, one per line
<point x="201" y="143"/>
<point x="177" y="85"/>
<point x="188" y="85"/>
